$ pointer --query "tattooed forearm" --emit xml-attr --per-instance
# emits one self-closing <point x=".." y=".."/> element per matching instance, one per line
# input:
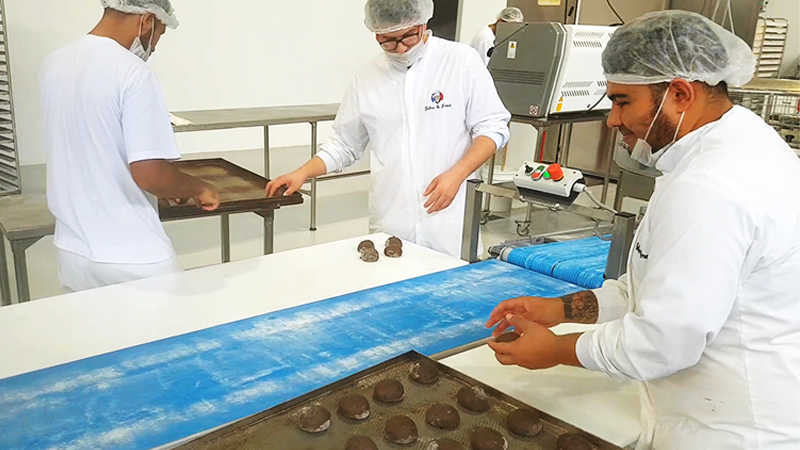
<point x="581" y="307"/>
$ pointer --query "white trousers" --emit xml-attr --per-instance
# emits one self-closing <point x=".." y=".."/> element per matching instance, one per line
<point x="77" y="273"/>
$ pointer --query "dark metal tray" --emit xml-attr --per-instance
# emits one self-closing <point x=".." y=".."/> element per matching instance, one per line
<point x="276" y="428"/>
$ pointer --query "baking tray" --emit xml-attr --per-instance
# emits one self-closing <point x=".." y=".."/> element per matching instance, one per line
<point x="240" y="191"/>
<point x="276" y="428"/>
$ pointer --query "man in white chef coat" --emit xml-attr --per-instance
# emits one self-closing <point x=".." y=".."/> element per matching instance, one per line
<point x="484" y="40"/>
<point x="429" y="109"/>
<point x="708" y="316"/>
<point x="109" y="145"/>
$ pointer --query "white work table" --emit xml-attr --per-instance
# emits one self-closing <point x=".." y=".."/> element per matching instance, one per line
<point x="74" y="327"/>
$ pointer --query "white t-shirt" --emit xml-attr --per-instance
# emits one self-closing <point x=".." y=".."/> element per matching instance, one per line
<point x="103" y="110"/>
<point x="482" y="42"/>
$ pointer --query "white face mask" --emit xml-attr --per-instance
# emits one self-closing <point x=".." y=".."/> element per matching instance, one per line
<point x="410" y="57"/>
<point x="137" y="48"/>
<point x="643" y="152"/>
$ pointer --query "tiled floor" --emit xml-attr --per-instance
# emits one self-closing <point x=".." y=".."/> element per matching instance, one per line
<point x="342" y="214"/>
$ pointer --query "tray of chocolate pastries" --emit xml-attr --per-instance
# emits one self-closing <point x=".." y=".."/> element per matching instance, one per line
<point x="409" y="402"/>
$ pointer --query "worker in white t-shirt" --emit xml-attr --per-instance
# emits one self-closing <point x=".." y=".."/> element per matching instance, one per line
<point x="109" y="143"/>
<point x="484" y="40"/>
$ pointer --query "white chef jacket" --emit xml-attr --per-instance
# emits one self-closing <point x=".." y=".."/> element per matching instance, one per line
<point x="420" y="122"/>
<point x="482" y="42"/>
<point x="708" y="316"/>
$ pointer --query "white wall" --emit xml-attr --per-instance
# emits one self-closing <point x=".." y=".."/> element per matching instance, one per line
<point x="224" y="55"/>
<point x="789" y="10"/>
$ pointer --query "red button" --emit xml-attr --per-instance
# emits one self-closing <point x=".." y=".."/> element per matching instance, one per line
<point x="556" y="172"/>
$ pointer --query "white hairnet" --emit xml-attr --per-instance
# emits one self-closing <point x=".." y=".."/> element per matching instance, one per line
<point x="388" y="16"/>
<point x="662" y="46"/>
<point x="511" y="15"/>
<point x="161" y="8"/>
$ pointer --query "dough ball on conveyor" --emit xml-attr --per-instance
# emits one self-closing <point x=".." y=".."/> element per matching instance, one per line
<point x="445" y="444"/>
<point x="360" y="443"/>
<point x="389" y="391"/>
<point x="365" y="245"/>
<point x="424" y="372"/>
<point x="314" y="419"/>
<point x="370" y="255"/>
<point x="506" y="338"/>
<point x="401" y="430"/>
<point x="394" y="242"/>
<point x="524" y="422"/>
<point x="473" y="399"/>
<point x="487" y="439"/>
<point x="354" y="406"/>
<point x="443" y="416"/>
<point x="393" y="251"/>
<point x="572" y="441"/>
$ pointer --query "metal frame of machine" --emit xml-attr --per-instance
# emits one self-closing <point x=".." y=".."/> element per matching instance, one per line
<point x="547" y="68"/>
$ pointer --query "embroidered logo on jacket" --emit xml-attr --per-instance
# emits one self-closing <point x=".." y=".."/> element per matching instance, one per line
<point x="640" y="252"/>
<point x="437" y="98"/>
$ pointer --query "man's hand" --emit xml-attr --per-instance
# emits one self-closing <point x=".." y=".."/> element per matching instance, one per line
<point x="293" y="182"/>
<point x="442" y="191"/>
<point x="547" y="312"/>
<point x="538" y="348"/>
<point x="208" y="199"/>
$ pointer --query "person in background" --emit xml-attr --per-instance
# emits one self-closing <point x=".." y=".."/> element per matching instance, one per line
<point x="429" y="111"/>
<point x="109" y="143"/>
<point x="707" y="318"/>
<point x="484" y="40"/>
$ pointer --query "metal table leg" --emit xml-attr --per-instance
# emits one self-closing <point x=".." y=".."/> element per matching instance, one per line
<point x="19" y="249"/>
<point x="266" y="153"/>
<point x="5" y="281"/>
<point x="225" y="221"/>
<point x="313" y="226"/>
<point x="269" y="231"/>
<point x="489" y="181"/>
<point x="472" y="226"/>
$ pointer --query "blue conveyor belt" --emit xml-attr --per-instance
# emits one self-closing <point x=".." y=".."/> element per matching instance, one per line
<point x="147" y="396"/>
<point x="581" y="262"/>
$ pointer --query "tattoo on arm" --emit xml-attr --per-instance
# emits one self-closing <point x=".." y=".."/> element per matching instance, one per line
<point x="581" y="307"/>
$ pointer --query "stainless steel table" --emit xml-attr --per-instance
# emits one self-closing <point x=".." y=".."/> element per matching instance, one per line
<point x="25" y="220"/>
<point x="225" y="119"/>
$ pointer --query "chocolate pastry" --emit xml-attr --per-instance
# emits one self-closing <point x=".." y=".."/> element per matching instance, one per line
<point x="389" y="391"/>
<point x="401" y="430"/>
<point x="524" y="422"/>
<point x="354" y="406"/>
<point x="507" y="337"/>
<point x="394" y="241"/>
<point x="365" y="245"/>
<point x="443" y="416"/>
<point x="572" y="441"/>
<point x="487" y="439"/>
<point x="445" y="444"/>
<point x="360" y="443"/>
<point x="393" y="251"/>
<point x="425" y="372"/>
<point x="314" y="419"/>
<point x="370" y="255"/>
<point x="473" y="399"/>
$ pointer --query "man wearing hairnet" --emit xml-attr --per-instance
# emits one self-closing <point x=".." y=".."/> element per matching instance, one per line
<point x="484" y="40"/>
<point x="109" y="143"/>
<point x="708" y="316"/>
<point x="430" y="111"/>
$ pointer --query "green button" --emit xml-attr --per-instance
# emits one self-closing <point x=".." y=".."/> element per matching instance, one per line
<point x="547" y="175"/>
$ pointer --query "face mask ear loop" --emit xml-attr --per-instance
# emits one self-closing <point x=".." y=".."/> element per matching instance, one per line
<point x="652" y="124"/>
<point x="678" y="130"/>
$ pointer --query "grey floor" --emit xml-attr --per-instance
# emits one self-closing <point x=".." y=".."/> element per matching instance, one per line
<point x="342" y="214"/>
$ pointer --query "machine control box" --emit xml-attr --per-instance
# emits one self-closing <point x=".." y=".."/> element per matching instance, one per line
<point x="551" y="179"/>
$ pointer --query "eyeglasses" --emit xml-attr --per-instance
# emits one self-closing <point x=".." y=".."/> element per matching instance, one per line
<point x="408" y="41"/>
